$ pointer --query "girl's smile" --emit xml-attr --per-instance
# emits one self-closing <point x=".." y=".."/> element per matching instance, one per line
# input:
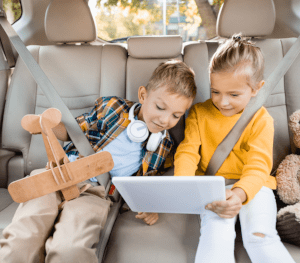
<point x="230" y="93"/>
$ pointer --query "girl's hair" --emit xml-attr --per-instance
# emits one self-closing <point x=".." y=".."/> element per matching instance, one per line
<point x="239" y="56"/>
<point x="176" y="76"/>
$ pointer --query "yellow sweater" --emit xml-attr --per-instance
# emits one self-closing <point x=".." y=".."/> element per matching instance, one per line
<point x="250" y="161"/>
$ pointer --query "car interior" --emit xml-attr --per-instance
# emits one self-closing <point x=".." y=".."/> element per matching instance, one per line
<point x="61" y="36"/>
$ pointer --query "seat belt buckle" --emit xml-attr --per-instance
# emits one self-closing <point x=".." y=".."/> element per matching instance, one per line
<point x="112" y="189"/>
<point x="113" y="194"/>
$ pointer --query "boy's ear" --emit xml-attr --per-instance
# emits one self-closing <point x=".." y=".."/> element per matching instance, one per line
<point x="258" y="87"/>
<point x="142" y="93"/>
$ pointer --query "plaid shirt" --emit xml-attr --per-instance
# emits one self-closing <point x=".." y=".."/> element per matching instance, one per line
<point x="107" y="120"/>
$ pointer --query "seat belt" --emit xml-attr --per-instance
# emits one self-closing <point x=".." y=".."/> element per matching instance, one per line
<point x="74" y="131"/>
<point x="226" y="146"/>
<point x="7" y="50"/>
<point x="76" y="134"/>
<point x="6" y="47"/>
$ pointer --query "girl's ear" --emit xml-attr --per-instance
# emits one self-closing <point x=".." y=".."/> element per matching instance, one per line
<point x="258" y="87"/>
<point x="142" y="94"/>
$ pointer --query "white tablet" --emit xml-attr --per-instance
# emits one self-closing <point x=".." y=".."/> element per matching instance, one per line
<point x="170" y="194"/>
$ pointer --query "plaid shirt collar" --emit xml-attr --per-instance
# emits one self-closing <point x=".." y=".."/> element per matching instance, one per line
<point x="107" y="120"/>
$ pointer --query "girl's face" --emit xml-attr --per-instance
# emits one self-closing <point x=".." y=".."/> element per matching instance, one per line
<point x="231" y="93"/>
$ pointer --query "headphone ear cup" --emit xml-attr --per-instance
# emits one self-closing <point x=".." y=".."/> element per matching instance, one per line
<point x="153" y="141"/>
<point x="137" y="131"/>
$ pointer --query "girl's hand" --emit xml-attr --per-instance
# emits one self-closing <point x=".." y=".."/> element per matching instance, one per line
<point x="149" y="218"/>
<point x="231" y="207"/>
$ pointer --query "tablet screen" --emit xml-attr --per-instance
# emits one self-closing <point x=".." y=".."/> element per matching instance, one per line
<point x="170" y="194"/>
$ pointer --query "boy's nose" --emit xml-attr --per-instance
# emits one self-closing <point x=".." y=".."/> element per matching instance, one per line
<point x="164" y="119"/>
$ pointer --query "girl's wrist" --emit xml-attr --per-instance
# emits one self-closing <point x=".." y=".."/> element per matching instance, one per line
<point x="240" y="193"/>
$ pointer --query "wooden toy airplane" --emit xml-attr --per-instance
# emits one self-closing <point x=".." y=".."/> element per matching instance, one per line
<point x="60" y="174"/>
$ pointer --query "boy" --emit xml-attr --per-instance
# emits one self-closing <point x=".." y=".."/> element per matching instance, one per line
<point x="76" y="228"/>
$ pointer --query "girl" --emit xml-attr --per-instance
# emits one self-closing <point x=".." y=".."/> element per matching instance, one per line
<point x="236" y="75"/>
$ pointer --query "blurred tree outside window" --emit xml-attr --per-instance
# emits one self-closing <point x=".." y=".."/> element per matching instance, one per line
<point x="192" y="19"/>
<point x="12" y="9"/>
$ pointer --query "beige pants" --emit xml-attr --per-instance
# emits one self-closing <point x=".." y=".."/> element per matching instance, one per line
<point x="39" y="232"/>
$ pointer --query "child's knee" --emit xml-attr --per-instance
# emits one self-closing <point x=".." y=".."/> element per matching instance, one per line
<point x="71" y="253"/>
<point x="259" y="238"/>
<point x="259" y="235"/>
<point x="255" y="237"/>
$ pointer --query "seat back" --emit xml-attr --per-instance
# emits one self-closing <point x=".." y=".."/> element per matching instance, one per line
<point x="80" y="72"/>
<point x="144" y="55"/>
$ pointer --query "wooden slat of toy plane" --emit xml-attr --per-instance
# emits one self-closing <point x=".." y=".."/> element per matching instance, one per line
<point x="44" y="183"/>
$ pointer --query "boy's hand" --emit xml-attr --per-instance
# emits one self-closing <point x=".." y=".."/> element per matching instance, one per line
<point x="149" y="218"/>
<point x="231" y="207"/>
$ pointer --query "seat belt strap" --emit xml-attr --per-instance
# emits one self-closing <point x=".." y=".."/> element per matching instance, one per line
<point x="7" y="50"/>
<point x="6" y="46"/>
<point x="226" y="146"/>
<point x="74" y="131"/>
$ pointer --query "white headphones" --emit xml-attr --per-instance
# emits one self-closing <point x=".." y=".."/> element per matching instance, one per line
<point x="137" y="131"/>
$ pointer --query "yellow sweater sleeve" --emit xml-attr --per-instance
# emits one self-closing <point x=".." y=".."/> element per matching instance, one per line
<point x="259" y="157"/>
<point x="187" y="154"/>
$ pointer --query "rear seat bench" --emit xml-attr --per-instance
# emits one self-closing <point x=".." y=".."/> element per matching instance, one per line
<point x="80" y="73"/>
<point x="174" y="238"/>
<point x="106" y="70"/>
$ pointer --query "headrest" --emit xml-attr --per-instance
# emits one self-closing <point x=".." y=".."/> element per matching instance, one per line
<point x="253" y="18"/>
<point x="69" y="21"/>
<point x="155" y="47"/>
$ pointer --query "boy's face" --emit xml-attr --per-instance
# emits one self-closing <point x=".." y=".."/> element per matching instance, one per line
<point x="231" y="93"/>
<point x="161" y="110"/>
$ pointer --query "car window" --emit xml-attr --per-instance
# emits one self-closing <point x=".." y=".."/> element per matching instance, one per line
<point x="116" y="20"/>
<point x="12" y="9"/>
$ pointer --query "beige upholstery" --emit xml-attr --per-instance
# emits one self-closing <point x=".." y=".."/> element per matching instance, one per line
<point x="83" y="73"/>
<point x="4" y="75"/>
<point x="7" y="60"/>
<point x="196" y="56"/>
<point x="173" y="239"/>
<point x="144" y="55"/>
<point x="4" y="155"/>
<point x="252" y="18"/>
<point x="164" y="242"/>
<point x="69" y="21"/>
<point x="7" y="214"/>
<point x="155" y="47"/>
<point x="235" y="17"/>
<point x="284" y="100"/>
<point x="133" y="241"/>
<point x="5" y="200"/>
<point x="80" y="74"/>
<point x="7" y="208"/>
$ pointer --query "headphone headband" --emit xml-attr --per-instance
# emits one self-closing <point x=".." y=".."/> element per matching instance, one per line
<point x="131" y="112"/>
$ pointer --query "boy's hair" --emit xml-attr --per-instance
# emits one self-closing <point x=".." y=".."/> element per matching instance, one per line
<point x="239" y="56"/>
<point x="176" y="76"/>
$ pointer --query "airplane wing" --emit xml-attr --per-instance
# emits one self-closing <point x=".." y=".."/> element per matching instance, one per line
<point x="44" y="183"/>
